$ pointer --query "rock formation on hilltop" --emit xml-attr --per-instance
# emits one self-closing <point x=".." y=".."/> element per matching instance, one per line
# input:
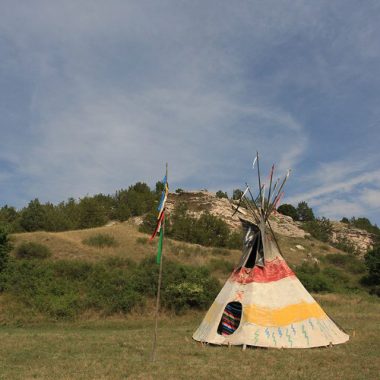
<point x="360" y="239"/>
<point x="201" y="201"/>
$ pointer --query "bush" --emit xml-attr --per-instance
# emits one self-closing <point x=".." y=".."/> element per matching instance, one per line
<point x="348" y="262"/>
<point x="207" y="230"/>
<point x="111" y="291"/>
<point x="183" y="286"/>
<point x="31" y="250"/>
<point x="221" y="194"/>
<point x="64" y="289"/>
<point x="372" y="262"/>
<point x="314" y="283"/>
<point x="235" y="240"/>
<point x="312" y="278"/>
<point x="319" y="228"/>
<point x="101" y="241"/>
<point x="345" y="245"/>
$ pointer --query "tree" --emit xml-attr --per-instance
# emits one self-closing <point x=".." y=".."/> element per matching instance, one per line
<point x="304" y="212"/>
<point x="289" y="210"/>
<point x="33" y="217"/>
<point x="237" y="194"/>
<point x="345" y="220"/>
<point x="372" y="262"/>
<point x="221" y="194"/>
<point x="91" y="213"/>
<point x="160" y="186"/>
<point x="5" y="248"/>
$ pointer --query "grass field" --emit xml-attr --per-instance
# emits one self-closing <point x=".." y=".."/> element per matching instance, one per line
<point x="34" y="346"/>
<point x="120" y="349"/>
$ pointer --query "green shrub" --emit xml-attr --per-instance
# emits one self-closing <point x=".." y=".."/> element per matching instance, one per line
<point x="36" y="285"/>
<point x="314" y="282"/>
<point x="221" y="194"/>
<point x="348" y="262"/>
<point x="111" y="291"/>
<point x="183" y="286"/>
<point x="32" y="250"/>
<point x="235" y="240"/>
<point x="312" y="278"/>
<point x="372" y="279"/>
<point x="319" y="228"/>
<point x="64" y="289"/>
<point x="356" y="268"/>
<point x="337" y="277"/>
<point x="346" y="245"/>
<point x="101" y="241"/>
<point x="338" y="259"/>
<point x="207" y="230"/>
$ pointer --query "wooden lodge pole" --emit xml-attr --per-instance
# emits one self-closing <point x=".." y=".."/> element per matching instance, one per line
<point x="154" y="349"/>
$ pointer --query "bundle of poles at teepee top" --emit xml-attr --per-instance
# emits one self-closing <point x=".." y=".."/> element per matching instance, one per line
<point x="267" y="200"/>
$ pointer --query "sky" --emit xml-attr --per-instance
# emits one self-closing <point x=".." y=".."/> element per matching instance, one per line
<point x="97" y="95"/>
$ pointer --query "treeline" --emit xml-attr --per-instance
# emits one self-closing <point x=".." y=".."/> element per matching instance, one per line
<point x="321" y="228"/>
<point x="87" y="212"/>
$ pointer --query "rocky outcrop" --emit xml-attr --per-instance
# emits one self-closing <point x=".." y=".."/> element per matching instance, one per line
<point x="201" y="201"/>
<point x="360" y="239"/>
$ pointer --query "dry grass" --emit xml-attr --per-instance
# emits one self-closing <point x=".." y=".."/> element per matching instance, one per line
<point x="120" y="349"/>
<point x="133" y="244"/>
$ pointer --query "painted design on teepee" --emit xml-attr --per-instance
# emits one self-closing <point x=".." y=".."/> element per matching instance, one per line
<point x="275" y="309"/>
<point x="273" y="271"/>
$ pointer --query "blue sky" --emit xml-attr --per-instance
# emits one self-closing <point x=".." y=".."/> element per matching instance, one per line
<point x="96" y="95"/>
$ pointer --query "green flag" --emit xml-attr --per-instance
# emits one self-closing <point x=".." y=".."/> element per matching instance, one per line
<point x="159" y="250"/>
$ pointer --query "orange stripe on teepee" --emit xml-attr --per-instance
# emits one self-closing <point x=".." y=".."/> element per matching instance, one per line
<point x="282" y="317"/>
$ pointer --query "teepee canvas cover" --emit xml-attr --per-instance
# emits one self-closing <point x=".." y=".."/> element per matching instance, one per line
<point x="263" y="303"/>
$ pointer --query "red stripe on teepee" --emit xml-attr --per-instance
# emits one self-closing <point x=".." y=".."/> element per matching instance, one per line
<point x="272" y="271"/>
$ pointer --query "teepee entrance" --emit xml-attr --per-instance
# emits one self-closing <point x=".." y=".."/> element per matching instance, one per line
<point x="274" y="309"/>
<point x="230" y="318"/>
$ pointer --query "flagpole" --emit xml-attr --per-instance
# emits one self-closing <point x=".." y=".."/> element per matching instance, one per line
<point x="158" y="289"/>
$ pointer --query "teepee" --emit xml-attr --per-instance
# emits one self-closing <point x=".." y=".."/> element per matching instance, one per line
<point x="263" y="303"/>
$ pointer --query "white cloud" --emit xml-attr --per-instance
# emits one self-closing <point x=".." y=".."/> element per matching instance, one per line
<point x="95" y="130"/>
<point x="336" y="209"/>
<point x="371" y="197"/>
<point x="113" y="90"/>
